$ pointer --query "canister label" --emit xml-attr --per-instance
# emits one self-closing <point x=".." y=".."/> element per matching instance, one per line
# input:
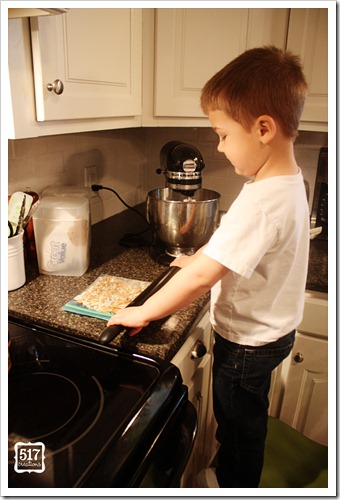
<point x="57" y="255"/>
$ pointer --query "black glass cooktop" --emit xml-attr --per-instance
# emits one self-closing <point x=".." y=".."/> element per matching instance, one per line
<point x="80" y="401"/>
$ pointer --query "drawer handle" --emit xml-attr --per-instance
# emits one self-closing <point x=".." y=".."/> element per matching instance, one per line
<point x="298" y="358"/>
<point x="199" y="350"/>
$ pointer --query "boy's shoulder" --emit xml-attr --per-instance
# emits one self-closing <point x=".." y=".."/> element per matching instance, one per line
<point x="282" y="192"/>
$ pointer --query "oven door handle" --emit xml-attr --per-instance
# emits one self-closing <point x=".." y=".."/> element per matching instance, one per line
<point x="111" y="332"/>
<point x="188" y="434"/>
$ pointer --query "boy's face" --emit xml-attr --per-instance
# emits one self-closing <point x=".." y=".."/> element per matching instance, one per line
<point x="242" y="148"/>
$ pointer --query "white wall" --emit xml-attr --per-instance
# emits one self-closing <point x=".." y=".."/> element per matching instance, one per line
<point x="127" y="161"/>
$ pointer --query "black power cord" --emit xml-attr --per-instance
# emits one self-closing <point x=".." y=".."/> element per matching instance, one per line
<point x="130" y="239"/>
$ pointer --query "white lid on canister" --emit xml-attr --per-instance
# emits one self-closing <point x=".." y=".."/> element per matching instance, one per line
<point x="64" y="207"/>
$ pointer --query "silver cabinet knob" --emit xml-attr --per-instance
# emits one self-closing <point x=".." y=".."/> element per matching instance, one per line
<point x="57" y="86"/>
<point x="199" y="350"/>
<point x="298" y="358"/>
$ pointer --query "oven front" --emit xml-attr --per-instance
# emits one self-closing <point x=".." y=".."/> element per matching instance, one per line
<point x="94" y="416"/>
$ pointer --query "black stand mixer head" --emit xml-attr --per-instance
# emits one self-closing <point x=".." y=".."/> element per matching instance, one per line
<point x="182" y="165"/>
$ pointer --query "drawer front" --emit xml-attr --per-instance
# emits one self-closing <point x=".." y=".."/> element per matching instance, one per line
<point x="199" y="341"/>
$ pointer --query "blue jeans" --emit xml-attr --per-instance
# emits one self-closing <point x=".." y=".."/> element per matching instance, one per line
<point x="241" y="382"/>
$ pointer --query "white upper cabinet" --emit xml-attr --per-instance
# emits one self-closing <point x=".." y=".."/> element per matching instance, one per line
<point x="96" y="54"/>
<point x="193" y="44"/>
<point x="130" y="67"/>
<point x="308" y="37"/>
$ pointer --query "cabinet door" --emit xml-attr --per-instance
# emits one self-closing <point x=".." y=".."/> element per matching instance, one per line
<point x="198" y="394"/>
<point x="308" y="37"/>
<point x="96" y="53"/>
<point x="191" y="45"/>
<point x="305" y="401"/>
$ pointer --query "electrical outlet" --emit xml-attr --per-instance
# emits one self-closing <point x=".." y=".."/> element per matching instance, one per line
<point x="91" y="175"/>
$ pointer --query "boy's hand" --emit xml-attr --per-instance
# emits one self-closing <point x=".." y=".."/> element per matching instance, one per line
<point x="130" y="317"/>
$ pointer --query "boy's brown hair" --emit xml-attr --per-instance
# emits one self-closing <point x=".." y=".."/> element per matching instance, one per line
<point x="261" y="81"/>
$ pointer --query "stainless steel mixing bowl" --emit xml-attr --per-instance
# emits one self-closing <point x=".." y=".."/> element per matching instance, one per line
<point x="181" y="222"/>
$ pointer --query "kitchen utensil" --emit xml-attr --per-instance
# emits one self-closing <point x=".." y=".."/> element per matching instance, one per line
<point x="21" y="216"/>
<point x="111" y="332"/>
<point x="10" y="230"/>
<point x="34" y="206"/>
<point x="183" y="223"/>
<point x="315" y="232"/>
<point x="18" y="208"/>
<point x="14" y="208"/>
<point x="27" y="218"/>
<point x="29" y="239"/>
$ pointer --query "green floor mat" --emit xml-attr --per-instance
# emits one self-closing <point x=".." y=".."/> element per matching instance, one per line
<point x="292" y="460"/>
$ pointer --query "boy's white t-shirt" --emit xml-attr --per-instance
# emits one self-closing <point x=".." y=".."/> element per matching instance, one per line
<point x="264" y="241"/>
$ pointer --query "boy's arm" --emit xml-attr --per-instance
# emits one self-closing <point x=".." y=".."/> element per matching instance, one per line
<point x="192" y="281"/>
<point x="184" y="260"/>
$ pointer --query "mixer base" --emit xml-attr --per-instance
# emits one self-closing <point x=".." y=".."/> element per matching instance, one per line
<point x="178" y="251"/>
<point x="165" y="255"/>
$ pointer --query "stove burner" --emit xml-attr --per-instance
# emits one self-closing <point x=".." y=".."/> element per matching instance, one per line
<point x="77" y="404"/>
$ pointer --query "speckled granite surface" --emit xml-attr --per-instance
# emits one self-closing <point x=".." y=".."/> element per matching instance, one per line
<point x="317" y="279"/>
<point x="42" y="297"/>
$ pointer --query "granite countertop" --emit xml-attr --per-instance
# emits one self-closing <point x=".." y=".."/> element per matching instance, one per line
<point x="40" y="300"/>
<point x="317" y="279"/>
<point x="42" y="297"/>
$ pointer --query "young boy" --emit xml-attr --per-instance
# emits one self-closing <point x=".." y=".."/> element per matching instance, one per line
<point x="256" y="261"/>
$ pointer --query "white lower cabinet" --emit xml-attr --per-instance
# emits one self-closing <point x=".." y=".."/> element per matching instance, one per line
<point x="299" y="392"/>
<point x="305" y="403"/>
<point x="197" y="375"/>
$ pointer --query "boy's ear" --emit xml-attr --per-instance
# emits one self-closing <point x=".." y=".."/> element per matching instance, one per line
<point x="266" y="128"/>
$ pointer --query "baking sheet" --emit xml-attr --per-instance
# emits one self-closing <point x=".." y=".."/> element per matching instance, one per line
<point x="105" y="296"/>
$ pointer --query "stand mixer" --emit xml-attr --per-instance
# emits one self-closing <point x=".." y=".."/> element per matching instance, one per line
<point x="183" y="214"/>
<point x="182" y="166"/>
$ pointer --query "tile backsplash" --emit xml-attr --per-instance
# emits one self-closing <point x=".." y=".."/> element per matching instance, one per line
<point x="127" y="160"/>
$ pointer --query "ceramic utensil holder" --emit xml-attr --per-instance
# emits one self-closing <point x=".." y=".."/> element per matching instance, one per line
<point x="16" y="263"/>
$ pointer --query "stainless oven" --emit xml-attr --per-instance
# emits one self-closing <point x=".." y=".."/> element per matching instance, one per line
<point x="319" y="216"/>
